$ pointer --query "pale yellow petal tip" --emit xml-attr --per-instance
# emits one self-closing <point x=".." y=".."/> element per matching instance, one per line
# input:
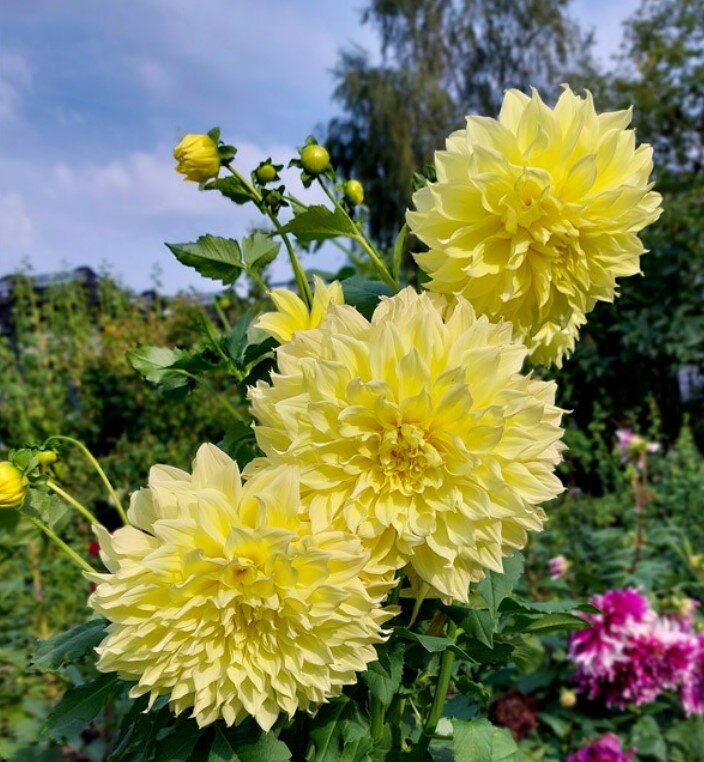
<point x="536" y="214"/>
<point x="292" y="315"/>
<point x="210" y="557"/>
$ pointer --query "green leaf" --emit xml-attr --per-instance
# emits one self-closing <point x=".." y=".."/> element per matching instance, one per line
<point x="212" y="256"/>
<point x="154" y="362"/>
<point x="480" y="625"/>
<point x="78" y="706"/>
<point x="431" y="643"/>
<point x="399" y="248"/>
<point x="265" y="747"/>
<point x="364" y="294"/>
<point x="480" y="741"/>
<point x="222" y="750"/>
<point x="318" y="223"/>
<point x="647" y="738"/>
<point x="236" y="339"/>
<point x="70" y="645"/>
<point x="179" y="743"/>
<point x="46" y="507"/>
<point x="259" y="250"/>
<point x="495" y="587"/>
<point x="383" y="677"/>
<point x="232" y="188"/>
<point x="510" y="605"/>
<point x="339" y="733"/>
<point x="558" y="622"/>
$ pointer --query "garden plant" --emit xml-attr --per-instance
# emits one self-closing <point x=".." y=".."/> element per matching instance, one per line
<point x="373" y="555"/>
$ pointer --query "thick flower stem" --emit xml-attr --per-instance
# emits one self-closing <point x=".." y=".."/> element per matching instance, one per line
<point x="91" y="459"/>
<point x="70" y="552"/>
<point x="72" y="501"/>
<point x="361" y="239"/>
<point x="441" y="688"/>
<point x="298" y="271"/>
<point x="376" y="709"/>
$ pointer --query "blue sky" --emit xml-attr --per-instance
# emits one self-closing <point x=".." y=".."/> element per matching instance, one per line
<point x="95" y="93"/>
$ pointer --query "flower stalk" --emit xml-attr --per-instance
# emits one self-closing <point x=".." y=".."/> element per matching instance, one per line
<point x="103" y="476"/>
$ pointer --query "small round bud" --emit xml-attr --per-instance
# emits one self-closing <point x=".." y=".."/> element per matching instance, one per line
<point x="13" y="485"/>
<point x="47" y="457"/>
<point x="315" y="159"/>
<point x="568" y="699"/>
<point x="273" y="198"/>
<point x="354" y="192"/>
<point x="266" y="173"/>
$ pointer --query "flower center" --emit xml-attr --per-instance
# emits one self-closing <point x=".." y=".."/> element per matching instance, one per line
<point x="406" y="457"/>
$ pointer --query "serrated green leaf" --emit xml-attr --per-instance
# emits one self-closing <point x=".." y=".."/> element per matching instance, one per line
<point x="46" y="507"/>
<point x="557" y="622"/>
<point x="236" y="339"/>
<point x="480" y="625"/>
<point x="339" y="733"/>
<point x="363" y="294"/>
<point x="179" y="743"/>
<point x="265" y="747"/>
<point x="232" y="188"/>
<point x="69" y="646"/>
<point x="222" y="750"/>
<point x="383" y="677"/>
<point x="153" y="362"/>
<point x="259" y="250"/>
<point x="212" y="256"/>
<point x="318" y="223"/>
<point x="480" y="741"/>
<point x="78" y="706"/>
<point x="495" y="587"/>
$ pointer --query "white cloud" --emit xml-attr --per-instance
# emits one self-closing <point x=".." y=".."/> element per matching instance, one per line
<point x="122" y="211"/>
<point x="15" y="76"/>
<point x="16" y="229"/>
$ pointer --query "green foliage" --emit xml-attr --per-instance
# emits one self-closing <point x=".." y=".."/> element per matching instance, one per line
<point x="480" y="741"/>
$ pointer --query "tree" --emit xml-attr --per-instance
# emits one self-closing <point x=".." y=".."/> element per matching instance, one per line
<point x="661" y="73"/>
<point x="441" y="59"/>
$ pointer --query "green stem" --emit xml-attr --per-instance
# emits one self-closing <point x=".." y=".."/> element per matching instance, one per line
<point x="63" y="546"/>
<point x="441" y="688"/>
<point x="376" y="709"/>
<point x="298" y="271"/>
<point x="362" y="240"/>
<point x="72" y="501"/>
<point x="91" y="459"/>
<point x="221" y="314"/>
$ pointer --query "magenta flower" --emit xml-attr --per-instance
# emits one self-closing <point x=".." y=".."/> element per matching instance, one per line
<point x="607" y="748"/>
<point x="630" y="655"/>
<point x="693" y="685"/>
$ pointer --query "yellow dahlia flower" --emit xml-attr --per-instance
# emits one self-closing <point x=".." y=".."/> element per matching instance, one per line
<point x="13" y="485"/>
<point x="293" y="315"/>
<point x="221" y="597"/>
<point x="198" y="158"/>
<point x="534" y="215"/>
<point x="417" y="432"/>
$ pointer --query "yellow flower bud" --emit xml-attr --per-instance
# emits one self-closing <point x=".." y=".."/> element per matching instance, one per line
<point x="315" y="159"/>
<point x="354" y="192"/>
<point x="568" y="699"/>
<point x="47" y="457"/>
<point x="198" y="158"/>
<point x="13" y="485"/>
<point x="266" y="173"/>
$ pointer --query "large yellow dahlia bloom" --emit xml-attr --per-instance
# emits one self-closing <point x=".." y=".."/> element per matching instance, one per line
<point x="417" y="432"/>
<point x="221" y="597"/>
<point x="534" y="215"/>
